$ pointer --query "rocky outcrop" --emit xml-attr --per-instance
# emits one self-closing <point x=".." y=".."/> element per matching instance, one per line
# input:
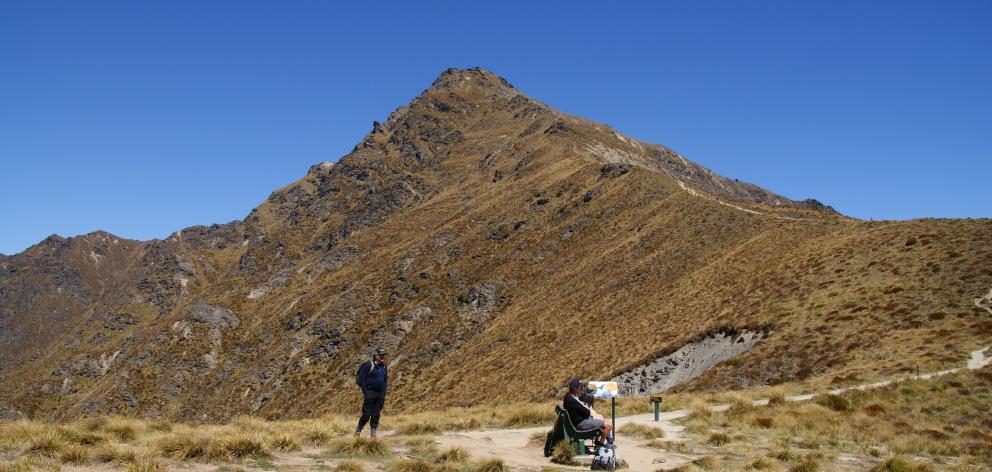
<point x="686" y="362"/>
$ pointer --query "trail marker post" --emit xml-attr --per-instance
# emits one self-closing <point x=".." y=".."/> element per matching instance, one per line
<point x="656" y="399"/>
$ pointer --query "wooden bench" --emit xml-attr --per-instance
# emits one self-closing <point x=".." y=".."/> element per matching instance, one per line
<point x="576" y="438"/>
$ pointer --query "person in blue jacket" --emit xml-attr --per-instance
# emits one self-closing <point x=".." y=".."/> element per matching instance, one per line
<point x="372" y="379"/>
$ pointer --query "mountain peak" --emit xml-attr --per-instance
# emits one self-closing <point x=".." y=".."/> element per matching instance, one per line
<point x="453" y="77"/>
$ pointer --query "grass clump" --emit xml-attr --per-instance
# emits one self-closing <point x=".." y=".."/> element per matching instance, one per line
<point x="349" y="466"/>
<point x="706" y="462"/>
<point x="421" y="446"/>
<point x="409" y="465"/>
<point x="833" y="402"/>
<point x="49" y="444"/>
<point x="764" y="422"/>
<point x="761" y="463"/>
<point x="454" y="455"/>
<point x="112" y="453"/>
<point x="776" y="399"/>
<point x="418" y="428"/>
<point x="807" y="465"/>
<point x="718" y="439"/>
<point x="85" y="438"/>
<point x="284" y="442"/>
<point x="490" y="465"/>
<point x="641" y="431"/>
<point x="124" y="429"/>
<point x="74" y="454"/>
<point x="160" y="426"/>
<point x="563" y="453"/>
<point x="31" y="464"/>
<point x="318" y="437"/>
<point x="187" y="447"/>
<point x="146" y="465"/>
<point x="243" y="446"/>
<point x="900" y="464"/>
<point x="362" y="447"/>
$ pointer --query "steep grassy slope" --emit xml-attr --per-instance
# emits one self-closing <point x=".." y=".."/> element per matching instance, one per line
<point x="493" y="245"/>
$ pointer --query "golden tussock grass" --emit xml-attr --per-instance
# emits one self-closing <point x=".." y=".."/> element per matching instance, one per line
<point x="189" y="447"/>
<point x="124" y="429"/>
<point x="114" y="453"/>
<point x="418" y="428"/>
<point x="454" y="455"/>
<point x="349" y="466"/>
<point x="146" y="465"/>
<point x="563" y="453"/>
<point x="421" y="446"/>
<point x="901" y="464"/>
<point x="74" y="454"/>
<point x="409" y="465"/>
<point x="49" y="444"/>
<point x="318" y="437"/>
<point x="718" y="439"/>
<point x="284" y="442"/>
<point x="203" y="448"/>
<point x="28" y="464"/>
<point x="490" y="465"/>
<point x="641" y="431"/>
<point x="361" y="446"/>
<point x="241" y="446"/>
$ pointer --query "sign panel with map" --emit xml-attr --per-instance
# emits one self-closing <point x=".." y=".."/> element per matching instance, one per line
<point x="603" y="389"/>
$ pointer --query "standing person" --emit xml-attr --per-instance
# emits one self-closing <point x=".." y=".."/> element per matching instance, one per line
<point x="581" y="413"/>
<point x="372" y="380"/>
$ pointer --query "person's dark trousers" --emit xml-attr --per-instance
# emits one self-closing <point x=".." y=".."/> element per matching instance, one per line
<point x="371" y="408"/>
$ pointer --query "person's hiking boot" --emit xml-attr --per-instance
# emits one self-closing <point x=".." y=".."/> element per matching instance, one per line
<point x="373" y="433"/>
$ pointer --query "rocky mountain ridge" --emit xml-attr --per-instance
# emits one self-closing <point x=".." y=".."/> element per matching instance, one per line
<point x="487" y="241"/>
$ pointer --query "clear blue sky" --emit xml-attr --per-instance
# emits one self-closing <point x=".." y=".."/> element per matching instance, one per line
<point x="144" y="117"/>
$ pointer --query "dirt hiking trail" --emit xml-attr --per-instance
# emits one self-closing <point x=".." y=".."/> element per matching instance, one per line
<point x="517" y="450"/>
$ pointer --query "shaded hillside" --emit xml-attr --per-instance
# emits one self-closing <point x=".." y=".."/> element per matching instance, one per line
<point x="487" y="241"/>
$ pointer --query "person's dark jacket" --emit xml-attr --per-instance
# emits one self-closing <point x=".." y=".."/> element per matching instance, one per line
<point x="372" y="378"/>
<point x="576" y="410"/>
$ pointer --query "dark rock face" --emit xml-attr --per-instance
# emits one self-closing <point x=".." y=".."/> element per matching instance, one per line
<point x="119" y="321"/>
<point x="613" y="170"/>
<point x="8" y="414"/>
<point x="499" y="234"/>
<point x="296" y="322"/>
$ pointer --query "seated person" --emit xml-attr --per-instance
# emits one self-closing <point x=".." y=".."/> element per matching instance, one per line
<point x="583" y="417"/>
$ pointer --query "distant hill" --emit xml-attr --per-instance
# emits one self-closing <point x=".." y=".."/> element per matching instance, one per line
<point x="496" y="247"/>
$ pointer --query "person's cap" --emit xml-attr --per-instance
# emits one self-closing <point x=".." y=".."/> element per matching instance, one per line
<point x="575" y="384"/>
<point x="380" y="351"/>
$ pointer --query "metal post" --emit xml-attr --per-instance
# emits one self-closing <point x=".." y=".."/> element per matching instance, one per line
<point x="657" y="409"/>
<point x="613" y="407"/>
